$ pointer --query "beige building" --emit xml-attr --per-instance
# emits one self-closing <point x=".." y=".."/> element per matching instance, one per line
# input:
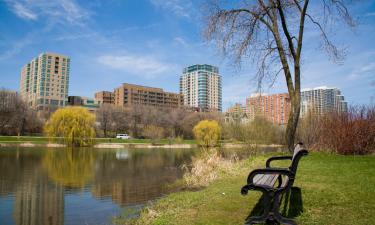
<point x="45" y="81"/>
<point x="7" y="99"/>
<point x="236" y="113"/>
<point x="130" y="94"/>
<point x="105" y="97"/>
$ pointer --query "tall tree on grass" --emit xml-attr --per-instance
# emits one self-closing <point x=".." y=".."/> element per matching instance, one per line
<point x="74" y="124"/>
<point x="270" y="32"/>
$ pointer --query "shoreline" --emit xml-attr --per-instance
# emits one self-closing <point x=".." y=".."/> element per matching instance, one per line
<point x="132" y="145"/>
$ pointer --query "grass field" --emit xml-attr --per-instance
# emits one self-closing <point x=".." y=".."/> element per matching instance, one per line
<point x="330" y="189"/>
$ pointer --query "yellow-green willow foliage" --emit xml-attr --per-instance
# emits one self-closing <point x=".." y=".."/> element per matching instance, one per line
<point x="207" y="133"/>
<point x="74" y="124"/>
<point x="70" y="168"/>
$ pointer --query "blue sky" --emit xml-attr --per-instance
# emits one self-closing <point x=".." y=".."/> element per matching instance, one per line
<point x="149" y="42"/>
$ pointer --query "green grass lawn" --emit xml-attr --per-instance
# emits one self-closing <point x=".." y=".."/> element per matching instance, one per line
<point x="44" y="140"/>
<point x="334" y="190"/>
<point x="20" y="139"/>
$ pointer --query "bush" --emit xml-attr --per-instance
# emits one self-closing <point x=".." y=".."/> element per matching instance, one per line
<point x="347" y="133"/>
<point x="153" y="132"/>
<point x="206" y="168"/>
<point x="207" y="133"/>
<point x="74" y="124"/>
<point x="258" y="131"/>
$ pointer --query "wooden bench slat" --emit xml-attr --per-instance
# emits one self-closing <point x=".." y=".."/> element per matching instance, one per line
<point x="257" y="178"/>
<point x="274" y="179"/>
<point x="266" y="179"/>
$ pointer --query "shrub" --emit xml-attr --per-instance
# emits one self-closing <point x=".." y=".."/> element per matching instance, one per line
<point x="347" y="133"/>
<point x="206" y="168"/>
<point x="258" y="131"/>
<point x="153" y="132"/>
<point x="207" y="133"/>
<point x="74" y="124"/>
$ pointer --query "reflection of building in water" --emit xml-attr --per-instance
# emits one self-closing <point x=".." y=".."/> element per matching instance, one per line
<point x="39" y="204"/>
<point x="36" y="201"/>
<point x="136" y="181"/>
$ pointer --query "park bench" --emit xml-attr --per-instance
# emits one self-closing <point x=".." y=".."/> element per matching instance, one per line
<point x="273" y="183"/>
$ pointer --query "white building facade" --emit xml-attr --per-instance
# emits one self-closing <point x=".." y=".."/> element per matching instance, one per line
<point x="201" y="87"/>
<point x="321" y="100"/>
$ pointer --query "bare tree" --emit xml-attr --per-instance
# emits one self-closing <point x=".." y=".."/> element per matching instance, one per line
<point x="271" y="34"/>
<point x="15" y="116"/>
<point x="104" y="116"/>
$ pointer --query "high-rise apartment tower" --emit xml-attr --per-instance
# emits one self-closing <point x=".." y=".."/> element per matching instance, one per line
<point x="200" y="86"/>
<point x="45" y="81"/>
<point x="321" y="100"/>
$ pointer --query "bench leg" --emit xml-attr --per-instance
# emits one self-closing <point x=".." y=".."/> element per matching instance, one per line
<point x="277" y="215"/>
<point x="267" y="203"/>
<point x="271" y="210"/>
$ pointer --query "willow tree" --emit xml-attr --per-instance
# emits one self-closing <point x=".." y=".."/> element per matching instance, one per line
<point x="270" y="34"/>
<point x="75" y="125"/>
<point x="207" y="133"/>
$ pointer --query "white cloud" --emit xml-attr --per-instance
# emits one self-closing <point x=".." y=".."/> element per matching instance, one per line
<point x="66" y="11"/>
<point x="21" y="11"/>
<point x="17" y="47"/>
<point x="362" y="71"/>
<point x="370" y="14"/>
<point x="180" y="8"/>
<point x="145" y="66"/>
<point x="181" y="41"/>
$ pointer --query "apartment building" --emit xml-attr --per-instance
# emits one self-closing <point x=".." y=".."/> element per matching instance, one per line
<point x="321" y="100"/>
<point x="130" y="94"/>
<point x="45" y="81"/>
<point x="7" y="99"/>
<point x="275" y="107"/>
<point x="105" y="97"/>
<point x="236" y="113"/>
<point x="201" y="87"/>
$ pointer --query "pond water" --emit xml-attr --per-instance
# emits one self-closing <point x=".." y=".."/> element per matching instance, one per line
<point x="84" y="186"/>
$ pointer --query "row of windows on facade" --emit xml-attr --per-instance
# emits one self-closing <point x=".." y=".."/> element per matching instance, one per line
<point x="43" y="79"/>
<point x="50" y="101"/>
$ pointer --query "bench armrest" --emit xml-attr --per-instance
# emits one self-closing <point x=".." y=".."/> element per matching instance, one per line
<point x="250" y="183"/>
<point x="280" y="171"/>
<point x="268" y="163"/>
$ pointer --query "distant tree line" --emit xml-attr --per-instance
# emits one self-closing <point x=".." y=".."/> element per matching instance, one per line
<point x="16" y="118"/>
<point x="258" y="131"/>
<point x="150" y="122"/>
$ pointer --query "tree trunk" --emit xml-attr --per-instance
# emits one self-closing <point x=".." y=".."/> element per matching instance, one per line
<point x="105" y="131"/>
<point x="291" y="128"/>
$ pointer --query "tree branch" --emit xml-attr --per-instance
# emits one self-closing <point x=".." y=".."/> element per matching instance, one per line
<point x="285" y="29"/>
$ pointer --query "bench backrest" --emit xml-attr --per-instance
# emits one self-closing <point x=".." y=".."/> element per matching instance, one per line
<point x="298" y="153"/>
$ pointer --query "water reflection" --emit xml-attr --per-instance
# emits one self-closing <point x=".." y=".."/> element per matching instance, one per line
<point x="72" y="168"/>
<point x="36" y="201"/>
<point x="138" y="178"/>
<point x="85" y="186"/>
<point x="82" y="186"/>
